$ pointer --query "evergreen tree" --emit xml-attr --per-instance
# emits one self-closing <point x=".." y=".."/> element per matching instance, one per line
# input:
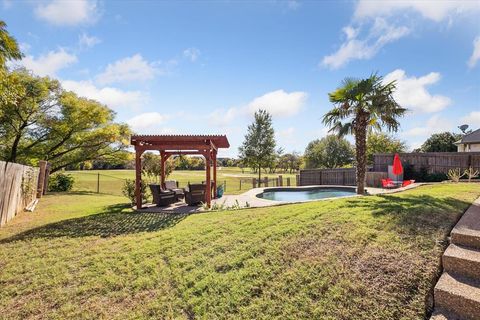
<point x="258" y="149"/>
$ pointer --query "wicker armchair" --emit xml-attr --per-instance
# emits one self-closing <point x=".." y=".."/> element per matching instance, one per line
<point x="161" y="197"/>
<point x="195" y="194"/>
<point x="173" y="186"/>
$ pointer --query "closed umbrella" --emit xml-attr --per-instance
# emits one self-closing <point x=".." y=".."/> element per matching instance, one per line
<point x="397" y="166"/>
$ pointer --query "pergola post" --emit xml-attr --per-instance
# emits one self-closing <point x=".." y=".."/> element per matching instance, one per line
<point x="214" y="153"/>
<point x="208" y="180"/>
<point x="162" y="173"/>
<point x="138" y="178"/>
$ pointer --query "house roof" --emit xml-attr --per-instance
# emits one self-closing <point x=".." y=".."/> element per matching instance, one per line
<point x="220" y="141"/>
<point x="473" y="137"/>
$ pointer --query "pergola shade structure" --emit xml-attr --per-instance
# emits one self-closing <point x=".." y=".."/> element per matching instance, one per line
<point x="168" y="145"/>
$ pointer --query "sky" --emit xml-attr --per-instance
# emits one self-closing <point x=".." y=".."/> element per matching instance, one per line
<point x="198" y="67"/>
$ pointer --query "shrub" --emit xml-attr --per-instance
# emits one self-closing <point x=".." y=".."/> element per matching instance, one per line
<point x="128" y="190"/>
<point x="422" y="175"/>
<point x="471" y="174"/>
<point x="60" y="182"/>
<point x="455" y="174"/>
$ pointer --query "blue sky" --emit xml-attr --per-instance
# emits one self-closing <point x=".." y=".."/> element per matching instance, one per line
<point x="205" y="67"/>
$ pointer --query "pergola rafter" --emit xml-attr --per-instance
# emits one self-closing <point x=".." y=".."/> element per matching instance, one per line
<point x="168" y="145"/>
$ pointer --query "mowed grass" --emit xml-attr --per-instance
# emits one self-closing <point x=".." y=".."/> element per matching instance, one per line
<point x="84" y="256"/>
<point x="111" y="181"/>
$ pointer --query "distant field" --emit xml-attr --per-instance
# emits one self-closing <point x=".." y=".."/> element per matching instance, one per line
<point x="111" y="181"/>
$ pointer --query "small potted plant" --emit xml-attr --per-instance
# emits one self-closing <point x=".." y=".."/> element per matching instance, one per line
<point x="220" y="191"/>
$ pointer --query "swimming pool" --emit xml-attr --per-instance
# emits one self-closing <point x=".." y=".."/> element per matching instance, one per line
<point x="304" y="194"/>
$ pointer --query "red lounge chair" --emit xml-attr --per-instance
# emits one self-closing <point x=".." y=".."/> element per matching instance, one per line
<point x="407" y="182"/>
<point x="388" y="184"/>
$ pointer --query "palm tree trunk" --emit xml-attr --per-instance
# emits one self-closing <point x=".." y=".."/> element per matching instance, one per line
<point x="361" y="153"/>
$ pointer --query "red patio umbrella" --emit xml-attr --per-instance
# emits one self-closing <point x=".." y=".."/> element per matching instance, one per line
<point x="397" y="165"/>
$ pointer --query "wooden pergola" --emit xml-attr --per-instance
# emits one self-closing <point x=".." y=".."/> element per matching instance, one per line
<point x="169" y="145"/>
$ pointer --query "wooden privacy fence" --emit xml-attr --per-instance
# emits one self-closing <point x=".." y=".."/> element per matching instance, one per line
<point x="19" y="185"/>
<point x="434" y="162"/>
<point x="340" y="176"/>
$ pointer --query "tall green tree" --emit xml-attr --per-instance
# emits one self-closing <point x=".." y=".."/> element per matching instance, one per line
<point x="361" y="106"/>
<point x="329" y="152"/>
<point x="258" y="148"/>
<point x="83" y="130"/>
<point x="43" y="122"/>
<point x="441" y="142"/>
<point x="381" y="142"/>
<point x="9" y="49"/>
<point x="25" y="120"/>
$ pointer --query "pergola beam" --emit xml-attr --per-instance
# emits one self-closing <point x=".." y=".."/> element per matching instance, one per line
<point x="185" y="148"/>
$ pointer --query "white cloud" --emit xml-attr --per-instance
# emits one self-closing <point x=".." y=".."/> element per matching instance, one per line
<point x="68" y="13"/>
<point x="49" y="64"/>
<point x="412" y="93"/>
<point x="134" y="68"/>
<point x="472" y="62"/>
<point x="192" y="54"/>
<point x="472" y="119"/>
<point x="86" y="41"/>
<point x="380" y="34"/>
<point x="431" y="9"/>
<point x="415" y="145"/>
<point x="434" y="124"/>
<point x="222" y="117"/>
<point x="279" y="103"/>
<point x="112" y="97"/>
<point x="350" y="32"/>
<point x="146" y="120"/>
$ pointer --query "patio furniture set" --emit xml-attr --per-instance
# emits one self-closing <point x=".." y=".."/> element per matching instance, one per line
<point x="193" y="194"/>
<point x="396" y="172"/>
<point x="391" y="184"/>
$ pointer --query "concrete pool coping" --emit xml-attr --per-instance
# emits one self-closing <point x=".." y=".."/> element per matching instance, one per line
<point x="253" y="201"/>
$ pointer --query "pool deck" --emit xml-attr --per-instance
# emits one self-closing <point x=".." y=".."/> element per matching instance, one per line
<point x="250" y="199"/>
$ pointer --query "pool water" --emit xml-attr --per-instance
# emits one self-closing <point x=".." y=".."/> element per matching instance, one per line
<point x="308" y="194"/>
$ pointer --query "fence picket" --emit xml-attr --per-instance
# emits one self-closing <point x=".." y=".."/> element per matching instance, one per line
<point x="18" y="184"/>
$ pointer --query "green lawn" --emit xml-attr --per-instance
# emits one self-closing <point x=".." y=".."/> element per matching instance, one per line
<point x="111" y="181"/>
<point x="89" y="257"/>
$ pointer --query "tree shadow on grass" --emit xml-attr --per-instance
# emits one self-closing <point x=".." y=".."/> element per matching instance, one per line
<point x="414" y="214"/>
<point x="111" y="222"/>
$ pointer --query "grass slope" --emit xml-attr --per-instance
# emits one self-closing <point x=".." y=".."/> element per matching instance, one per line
<point x="87" y="256"/>
<point x="111" y="181"/>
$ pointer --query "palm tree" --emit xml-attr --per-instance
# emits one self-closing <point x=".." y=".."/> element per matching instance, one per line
<point x="360" y="106"/>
